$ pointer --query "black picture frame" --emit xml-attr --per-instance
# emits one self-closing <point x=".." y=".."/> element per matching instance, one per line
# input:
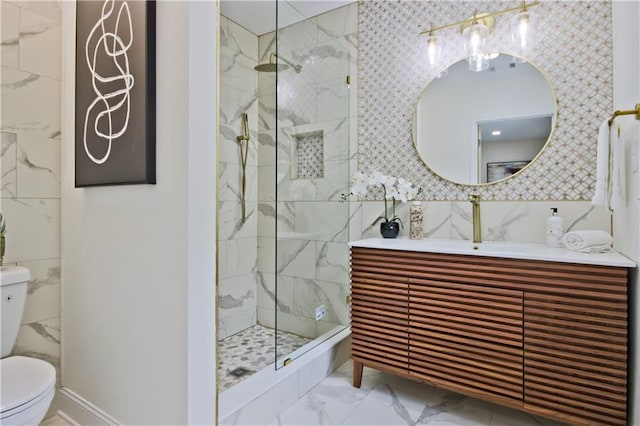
<point x="501" y="169"/>
<point x="115" y="105"/>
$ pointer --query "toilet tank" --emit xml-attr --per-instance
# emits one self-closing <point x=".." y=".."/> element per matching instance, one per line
<point x="13" y="289"/>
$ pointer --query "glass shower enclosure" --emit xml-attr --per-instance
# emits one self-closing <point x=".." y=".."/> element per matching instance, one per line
<point x="306" y="139"/>
<point x="283" y="230"/>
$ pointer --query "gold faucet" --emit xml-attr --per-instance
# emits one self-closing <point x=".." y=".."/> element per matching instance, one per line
<point x="477" y="229"/>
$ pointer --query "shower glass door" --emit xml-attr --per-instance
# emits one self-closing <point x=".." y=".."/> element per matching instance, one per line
<point x="310" y="140"/>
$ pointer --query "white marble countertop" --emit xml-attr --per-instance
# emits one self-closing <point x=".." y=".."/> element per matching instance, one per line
<point x="528" y="251"/>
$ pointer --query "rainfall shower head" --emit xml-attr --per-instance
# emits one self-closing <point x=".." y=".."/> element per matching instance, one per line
<point x="271" y="67"/>
<point x="274" y="65"/>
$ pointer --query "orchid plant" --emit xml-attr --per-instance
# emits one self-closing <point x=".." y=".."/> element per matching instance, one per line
<point x="394" y="189"/>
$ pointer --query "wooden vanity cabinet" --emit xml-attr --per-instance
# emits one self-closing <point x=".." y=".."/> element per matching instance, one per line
<point x="548" y="338"/>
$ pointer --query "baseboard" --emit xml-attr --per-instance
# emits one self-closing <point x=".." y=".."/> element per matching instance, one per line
<point x="77" y="411"/>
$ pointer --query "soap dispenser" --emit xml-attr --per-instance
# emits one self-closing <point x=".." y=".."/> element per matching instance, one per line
<point x="555" y="226"/>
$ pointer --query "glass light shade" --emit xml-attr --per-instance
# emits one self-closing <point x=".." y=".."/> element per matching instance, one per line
<point x="522" y="31"/>
<point x="474" y="44"/>
<point x="478" y="63"/>
<point x="433" y="50"/>
<point x="475" y="36"/>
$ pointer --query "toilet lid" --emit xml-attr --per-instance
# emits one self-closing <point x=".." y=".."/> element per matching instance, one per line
<point x="23" y="379"/>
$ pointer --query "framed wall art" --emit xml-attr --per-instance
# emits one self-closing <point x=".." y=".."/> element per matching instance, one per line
<point x="115" y="93"/>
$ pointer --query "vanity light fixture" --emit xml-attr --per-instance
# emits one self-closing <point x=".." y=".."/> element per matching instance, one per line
<point x="475" y="30"/>
<point x="496" y="133"/>
<point x="433" y="49"/>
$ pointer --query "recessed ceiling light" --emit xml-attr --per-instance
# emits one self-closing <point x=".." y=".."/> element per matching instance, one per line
<point x="496" y="133"/>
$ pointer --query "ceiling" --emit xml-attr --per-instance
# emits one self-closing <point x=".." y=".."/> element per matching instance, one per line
<point x="259" y="16"/>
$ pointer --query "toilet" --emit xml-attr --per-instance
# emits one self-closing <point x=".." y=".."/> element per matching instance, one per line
<point x="27" y="384"/>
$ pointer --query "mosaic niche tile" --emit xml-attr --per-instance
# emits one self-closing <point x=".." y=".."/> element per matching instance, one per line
<point x="309" y="156"/>
<point x="576" y="58"/>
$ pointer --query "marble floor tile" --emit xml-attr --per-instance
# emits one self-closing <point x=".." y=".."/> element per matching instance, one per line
<point x="253" y="349"/>
<point x="389" y="400"/>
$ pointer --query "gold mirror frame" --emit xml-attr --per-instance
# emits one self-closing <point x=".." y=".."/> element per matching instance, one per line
<point x="414" y="130"/>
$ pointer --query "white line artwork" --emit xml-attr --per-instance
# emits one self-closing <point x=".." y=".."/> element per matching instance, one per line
<point x="112" y="93"/>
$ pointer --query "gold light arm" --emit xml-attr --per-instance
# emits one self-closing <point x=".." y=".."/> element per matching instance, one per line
<point x="635" y="112"/>
<point x="524" y="6"/>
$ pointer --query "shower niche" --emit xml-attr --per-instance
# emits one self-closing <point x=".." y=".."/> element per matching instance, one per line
<point x="289" y="257"/>
<point x="307" y="156"/>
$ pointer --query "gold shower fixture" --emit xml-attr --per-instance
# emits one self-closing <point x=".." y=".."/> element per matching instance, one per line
<point x="474" y="31"/>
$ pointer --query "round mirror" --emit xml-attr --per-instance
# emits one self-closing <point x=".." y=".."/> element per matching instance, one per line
<point x="480" y="127"/>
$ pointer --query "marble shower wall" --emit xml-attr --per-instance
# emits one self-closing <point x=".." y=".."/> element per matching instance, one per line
<point x="30" y="162"/>
<point x="238" y="245"/>
<point x="311" y="258"/>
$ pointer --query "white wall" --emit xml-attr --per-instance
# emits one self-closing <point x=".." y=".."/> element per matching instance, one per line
<point x="626" y="94"/>
<point x="138" y="262"/>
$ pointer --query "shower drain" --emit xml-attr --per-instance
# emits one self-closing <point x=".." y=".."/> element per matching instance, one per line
<point x="239" y="372"/>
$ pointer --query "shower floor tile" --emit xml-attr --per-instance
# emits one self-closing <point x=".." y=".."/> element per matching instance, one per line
<point x="252" y="349"/>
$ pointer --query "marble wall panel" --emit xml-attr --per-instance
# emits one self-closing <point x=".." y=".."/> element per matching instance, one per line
<point x="229" y="220"/>
<point x="500" y="220"/>
<point x="237" y="287"/>
<point x="266" y="255"/>
<point x="8" y="164"/>
<point x="43" y="293"/>
<point x="242" y="256"/>
<point x="267" y="148"/>
<point x="230" y="183"/>
<point x="322" y="221"/>
<point x="23" y="109"/>
<point x="296" y="258"/>
<point x="33" y="229"/>
<point x="236" y="40"/>
<point x="50" y="9"/>
<point x="38" y="168"/>
<point x="332" y="262"/>
<point x="267" y="215"/>
<point x="236" y="294"/>
<point x="10" y="34"/>
<point x="333" y="99"/>
<point x="310" y="294"/>
<point x="40" y="44"/>
<point x="267" y="293"/>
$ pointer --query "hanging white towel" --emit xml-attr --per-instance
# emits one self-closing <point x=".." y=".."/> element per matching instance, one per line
<point x="589" y="241"/>
<point x="618" y="187"/>
<point x="610" y="189"/>
<point x="601" y="195"/>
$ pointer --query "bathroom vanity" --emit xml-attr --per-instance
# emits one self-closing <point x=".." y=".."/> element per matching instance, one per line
<point x="540" y="329"/>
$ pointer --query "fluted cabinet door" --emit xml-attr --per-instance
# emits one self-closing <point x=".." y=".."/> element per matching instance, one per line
<point x="379" y="311"/>
<point x="576" y="346"/>
<point x="466" y="337"/>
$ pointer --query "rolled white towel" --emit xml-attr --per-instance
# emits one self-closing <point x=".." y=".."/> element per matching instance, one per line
<point x="590" y="241"/>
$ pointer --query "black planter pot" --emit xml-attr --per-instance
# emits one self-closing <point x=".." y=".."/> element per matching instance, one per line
<point x="389" y="229"/>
